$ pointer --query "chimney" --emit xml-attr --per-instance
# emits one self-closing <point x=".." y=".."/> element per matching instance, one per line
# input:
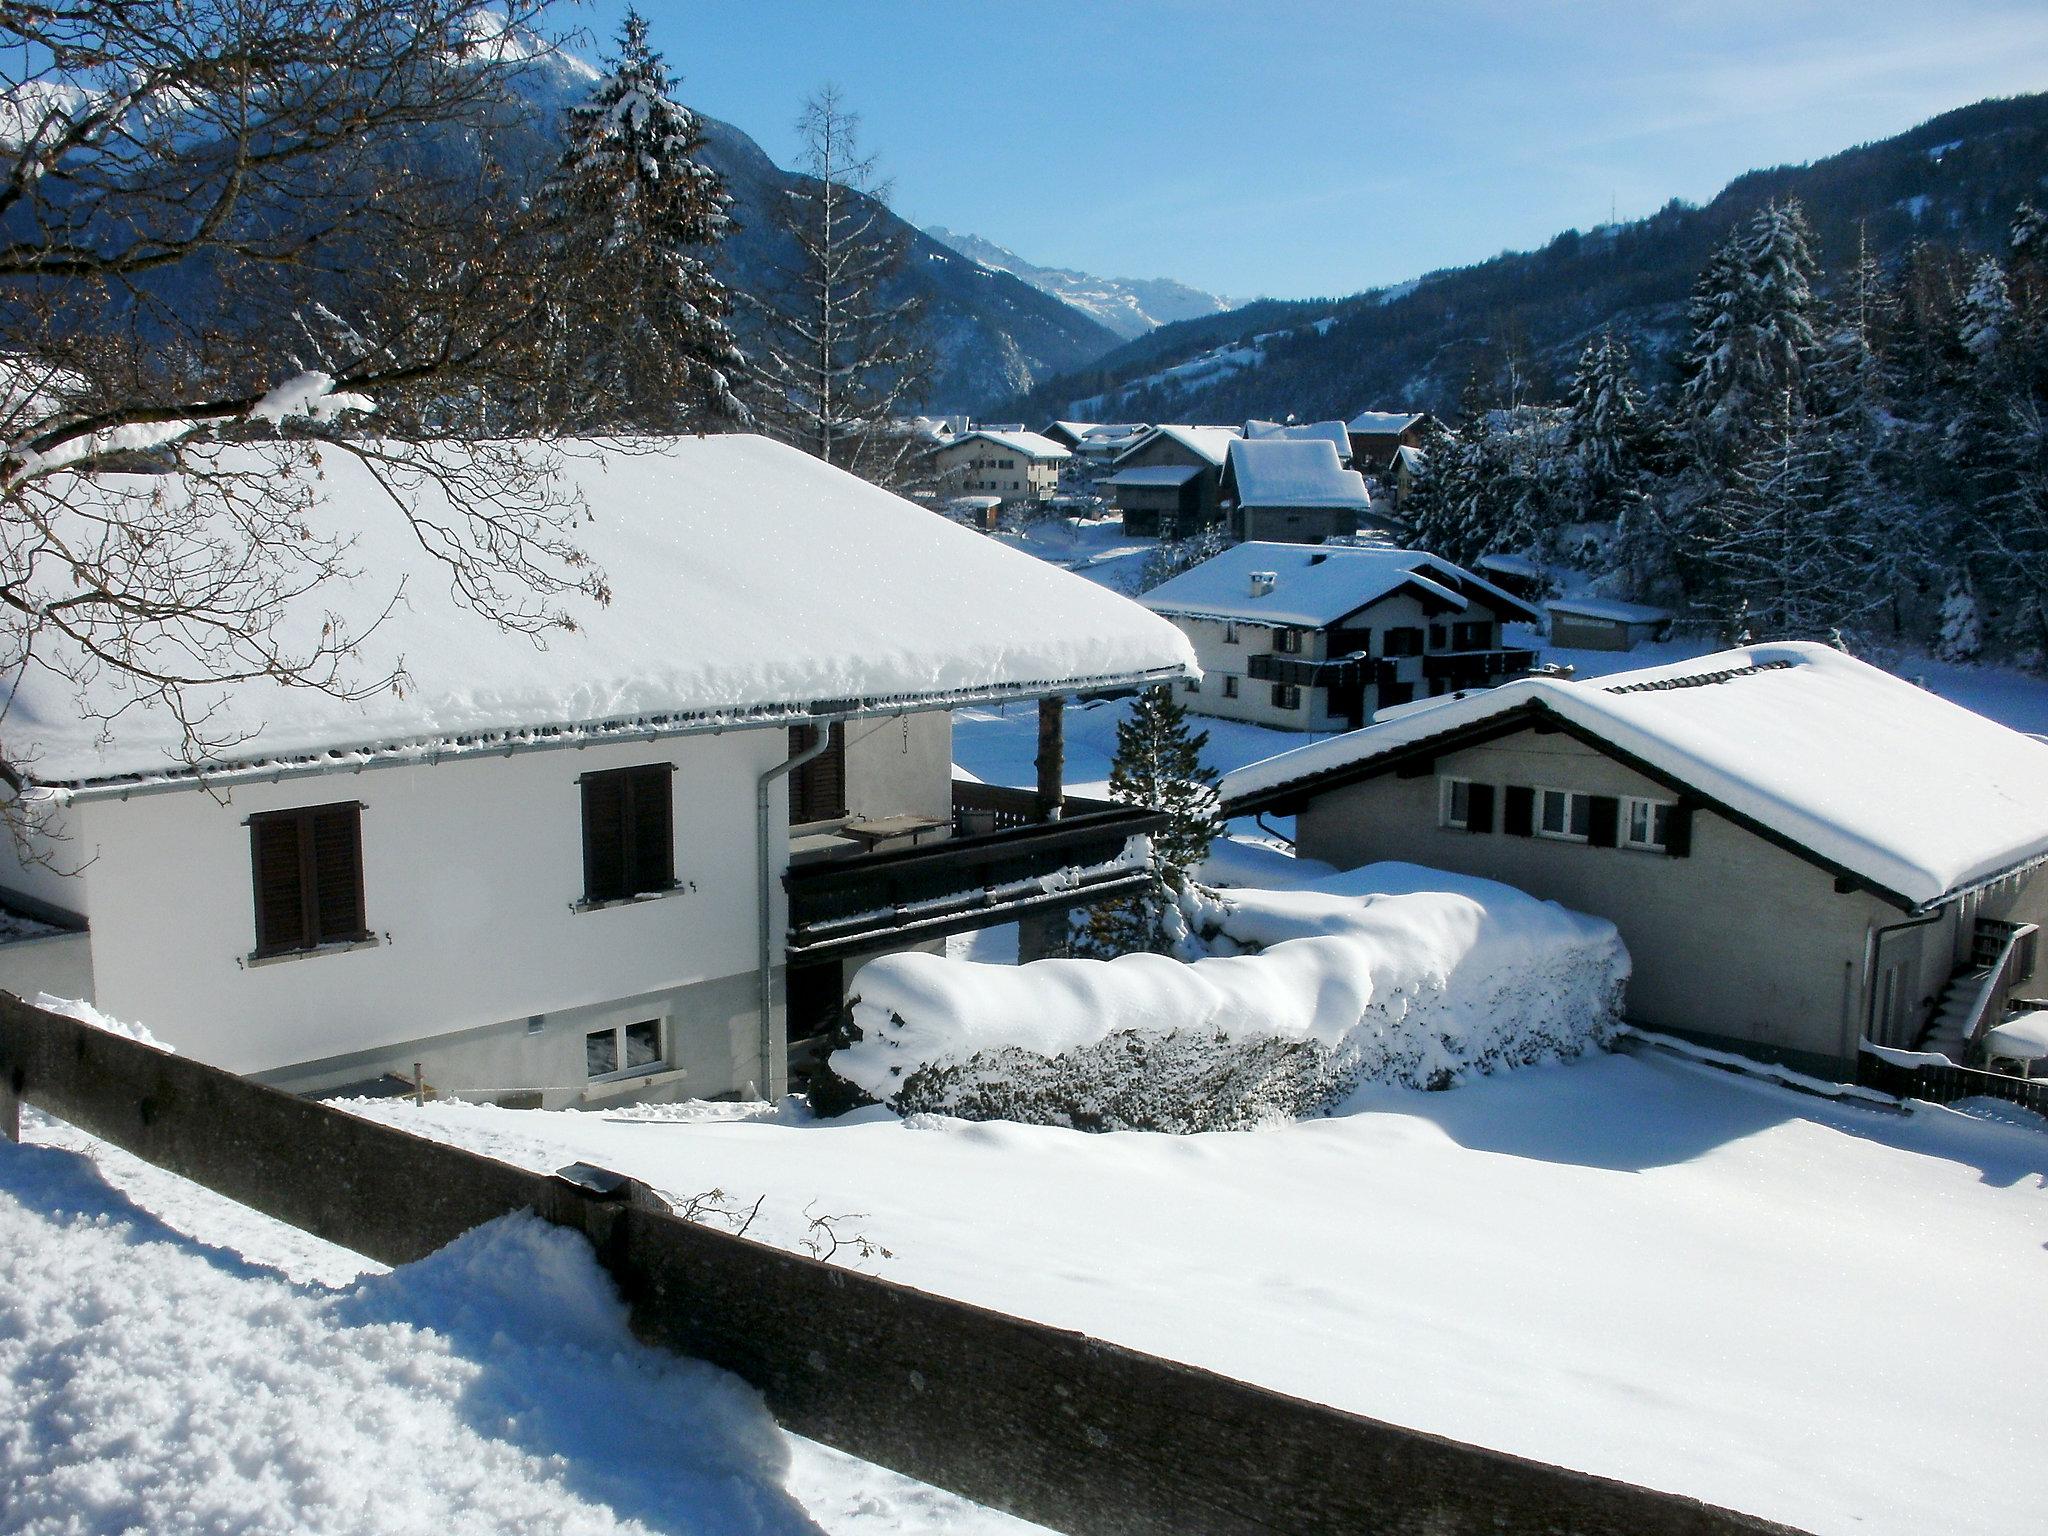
<point x="1264" y="582"/>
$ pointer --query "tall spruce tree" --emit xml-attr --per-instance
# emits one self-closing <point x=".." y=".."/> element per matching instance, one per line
<point x="1158" y="763"/>
<point x="1754" y="318"/>
<point x="640" y="319"/>
<point x="1607" y="435"/>
<point x="1441" y="508"/>
<point x="845" y="356"/>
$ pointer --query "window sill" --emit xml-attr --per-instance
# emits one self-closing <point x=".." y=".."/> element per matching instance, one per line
<point x="340" y="947"/>
<point x="639" y="898"/>
<point x="1562" y="837"/>
<point x="623" y="1082"/>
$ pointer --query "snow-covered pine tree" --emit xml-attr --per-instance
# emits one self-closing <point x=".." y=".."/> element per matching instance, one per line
<point x="1158" y="763"/>
<point x="1171" y="556"/>
<point x="1440" y="507"/>
<point x="641" y="319"/>
<point x="1754" y="317"/>
<point x="1987" y="311"/>
<point x="1607" y="434"/>
<point x="844" y="359"/>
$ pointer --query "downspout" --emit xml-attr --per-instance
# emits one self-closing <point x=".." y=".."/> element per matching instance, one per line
<point x="766" y="891"/>
<point x="1873" y="945"/>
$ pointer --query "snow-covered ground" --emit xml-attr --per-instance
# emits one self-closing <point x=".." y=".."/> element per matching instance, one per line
<point x="173" y="1362"/>
<point x="1640" y="1266"/>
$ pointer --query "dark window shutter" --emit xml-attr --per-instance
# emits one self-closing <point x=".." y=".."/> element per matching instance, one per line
<point x="817" y="791"/>
<point x="1518" y="810"/>
<point x="1479" y="801"/>
<point x="1603" y="821"/>
<point x="604" y="837"/>
<point x="337" y="843"/>
<point x="280" y="887"/>
<point x="1678" y="831"/>
<point x="654" y="843"/>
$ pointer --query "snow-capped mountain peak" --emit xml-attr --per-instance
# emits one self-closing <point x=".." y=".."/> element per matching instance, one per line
<point x="1129" y="306"/>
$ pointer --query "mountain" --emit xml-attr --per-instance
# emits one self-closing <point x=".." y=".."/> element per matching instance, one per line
<point x="1130" y="306"/>
<point x="1956" y="178"/>
<point x="996" y="335"/>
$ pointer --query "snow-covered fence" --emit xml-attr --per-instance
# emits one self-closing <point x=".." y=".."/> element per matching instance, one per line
<point x="1056" y="1427"/>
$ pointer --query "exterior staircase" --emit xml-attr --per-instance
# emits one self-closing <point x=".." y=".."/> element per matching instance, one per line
<point x="1977" y="994"/>
<point x="1955" y="1013"/>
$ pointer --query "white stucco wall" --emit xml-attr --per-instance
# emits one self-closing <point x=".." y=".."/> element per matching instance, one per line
<point x="471" y="872"/>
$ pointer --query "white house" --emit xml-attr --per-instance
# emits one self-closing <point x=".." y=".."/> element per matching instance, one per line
<point x="1801" y="851"/>
<point x="1021" y="467"/>
<point x="595" y="866"/>
<point x="1320" y="637"/>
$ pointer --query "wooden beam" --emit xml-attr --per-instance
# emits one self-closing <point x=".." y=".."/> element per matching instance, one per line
<point x="1052" y="757"/>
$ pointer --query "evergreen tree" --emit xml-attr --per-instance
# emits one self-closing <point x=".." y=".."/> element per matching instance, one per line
<point x="1607" y="435"/>
<point x="1439" y="508"/>
<point x="641" y="320"/>
<point x="1158" y="763"/>
<point x="1987" y="311"/>
<point x="843" y="361"/>
<point x="1754" y="316"/>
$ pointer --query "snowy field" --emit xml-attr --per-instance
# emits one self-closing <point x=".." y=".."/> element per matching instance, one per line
<point x="173" y="1362"/>
<point x="1635" y="1265"/>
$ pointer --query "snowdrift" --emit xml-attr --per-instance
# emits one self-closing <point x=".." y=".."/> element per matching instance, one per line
<point x="1392" y="973"/>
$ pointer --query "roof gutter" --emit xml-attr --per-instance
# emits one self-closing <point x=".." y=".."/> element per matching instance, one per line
<point x="514" y="743"/>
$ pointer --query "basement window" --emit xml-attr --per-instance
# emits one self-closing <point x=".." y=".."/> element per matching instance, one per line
<point x="622" y="1050"/>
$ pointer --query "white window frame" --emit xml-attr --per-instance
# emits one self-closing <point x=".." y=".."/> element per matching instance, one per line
<point x="1652" y="844"/>
<point x="1230" y="632"/>
<point x="1570" y="795"/>
<point x="1230" y="685"/>
<point x="1447" y="815"/>
<point x="617" y="1028"/>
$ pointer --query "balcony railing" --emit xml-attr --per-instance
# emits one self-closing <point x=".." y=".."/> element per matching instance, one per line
<point x="1001" y="863"/>
<point x="1343" y="672"/>
<point x="1477" y="669"/>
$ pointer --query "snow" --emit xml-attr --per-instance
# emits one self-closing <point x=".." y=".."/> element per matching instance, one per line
<point x="1399" y="974"/>
<point x="1331" y="432"/>
<point x="1911" y="792"/>
<point x="174" y="1362"/>
<point x="1639" y="1266"/>
<point x="1608" y="608"/>
<point x="745" y="577"/>
<point x="2023" y="1037"/>
<point x="1377" y="422"/>
<point x="1029" y="444"/>
<point x="1155" y="474"/>
<point x="1283" y="472"/>
<point x="311" y="395"/>
<point x="1210" y="444"/>
<point x="1318" y="583"/>
<point x="85" y="1013"/>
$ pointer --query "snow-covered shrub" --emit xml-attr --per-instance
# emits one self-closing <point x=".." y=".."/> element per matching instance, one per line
<point x="1390" y="974"/>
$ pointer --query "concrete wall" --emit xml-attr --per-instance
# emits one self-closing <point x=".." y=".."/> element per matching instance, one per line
<point x="472" y="872"/>
<point x="59" y="964"/>
<point x="1741" y="941"/>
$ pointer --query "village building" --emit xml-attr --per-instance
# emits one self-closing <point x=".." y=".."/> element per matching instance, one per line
<point x="1302" y="432"/>
<point x="1604" y="624"/>
<point x="1293" y="491"/>
<point x="1021" y="467"/>
<point x="1169" y="483"/>
<point x="1401" y="473"/>
<point x="1802" y="852"/>
<point x="1376" y="434"/>
<point x="1318" y="638"/>
<point x="631" y="863"/>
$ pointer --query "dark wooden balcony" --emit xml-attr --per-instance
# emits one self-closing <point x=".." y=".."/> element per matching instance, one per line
<point x="1342" y="672"/>
<point x="1001" y="863"/>
<point x="1477" y="669"/>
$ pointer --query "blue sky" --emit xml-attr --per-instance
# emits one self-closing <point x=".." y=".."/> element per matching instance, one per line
<point x="1319" y="148"/>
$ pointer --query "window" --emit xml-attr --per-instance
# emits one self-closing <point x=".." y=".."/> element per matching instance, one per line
<point x="1563" y="813"/>
<point x="1229" y="686"/>
<point x="628" y="832"/>
<point x="1190" y="685"/>
<point x="1647" y="825"/>
<point x="1286" y="696"/>
<point x="307" y="868"/>
<point x="1466" y="806"/>
<point x="1438" y="638"/>
<point x="1230" y="632"/>
<point x="622" y="1049"/>
<point x="817" y="790"/>
<point x="1287" y="641"/>
<point x="1471" y="637"/>
<point x="1404" y="641"/>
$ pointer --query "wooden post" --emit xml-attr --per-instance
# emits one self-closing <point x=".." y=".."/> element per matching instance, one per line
<point x="10" y="1107"/>
<point x="1052" y="757"/>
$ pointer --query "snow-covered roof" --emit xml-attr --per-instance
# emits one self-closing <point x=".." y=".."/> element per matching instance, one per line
<point x="1608" y="608"/>
<point x="1208" y="443"/>
<point x="1414" y="458"/>
<point x="1284" y="472"/>
<point x="1511" y="565"/>
<point x="748" y="580"/>
<point x="1303" y="431"/>
<point x="1155" y="474"/>
<point x="1030" y="444"/>
<point x="1870" y="775"/>
<point x="1315" y="584"/>
<point x="1383" y="421"/>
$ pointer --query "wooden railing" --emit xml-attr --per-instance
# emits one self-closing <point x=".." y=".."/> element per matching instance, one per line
<point x="2014" y="964"/>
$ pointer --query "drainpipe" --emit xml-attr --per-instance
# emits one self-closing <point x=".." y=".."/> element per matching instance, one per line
<point x="1873" y="945"/>
<point x="766" y="892"/>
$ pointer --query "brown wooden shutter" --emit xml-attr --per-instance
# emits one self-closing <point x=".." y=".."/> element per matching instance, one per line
<point x="817" y="791"/>
<point x="652" y="801"/>
<point x="280" y="890"/>
<point x="1603" y="820"/>
<point x="1518" y="810"/>
<point x="1678" y="832"/>
<point x="1479" y="808"/>
<point x="604" y="837"/>
<point x="335" y="835"/>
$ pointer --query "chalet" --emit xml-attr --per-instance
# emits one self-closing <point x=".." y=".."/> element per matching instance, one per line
<point x="1401" y="473"/>
<point x="632" y="863"/>
<point x="1302" y="432"/>
<point x="1376" y="434"/>
<point x="1169" y="482"/>
<point x="1021" y="467"/>
<point x="1603" y="624"/>
<point x="1292" y="491"/>
<point x="1317" y="638"/>
<point x="1802" y="852"/>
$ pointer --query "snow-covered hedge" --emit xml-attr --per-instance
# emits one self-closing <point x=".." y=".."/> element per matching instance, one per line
<point x="1392" y="973"/>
